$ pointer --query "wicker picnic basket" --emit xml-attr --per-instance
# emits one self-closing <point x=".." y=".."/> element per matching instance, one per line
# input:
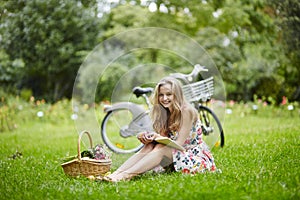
<point x="86" y="166"/>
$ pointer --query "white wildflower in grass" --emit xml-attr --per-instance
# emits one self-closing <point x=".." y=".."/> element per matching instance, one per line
<point x="290" y="107"/>
<point x="40" y="114"/>
<point x="74" y="116"/>
<point x="255" y="107"/>
<point x="228" y="111"/>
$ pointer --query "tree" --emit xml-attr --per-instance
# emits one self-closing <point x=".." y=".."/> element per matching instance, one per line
<point x="287" y="13"/>
<point x="43" y="42"/>
<point x="234" y="33"/>
<point x="48" y="37"/>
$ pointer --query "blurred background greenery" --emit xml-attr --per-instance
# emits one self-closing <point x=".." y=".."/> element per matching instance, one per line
<point x="254" y="43"/>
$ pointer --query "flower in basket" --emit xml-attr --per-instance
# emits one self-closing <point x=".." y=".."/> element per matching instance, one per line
<point x="100" y="152"/>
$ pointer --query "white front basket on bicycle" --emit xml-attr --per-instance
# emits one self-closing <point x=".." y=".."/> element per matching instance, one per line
<point x="201" y="90"/>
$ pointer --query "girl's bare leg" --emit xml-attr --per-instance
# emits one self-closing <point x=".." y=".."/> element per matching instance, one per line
<point x="133" y="159"/>
<point x="146" y="163"/>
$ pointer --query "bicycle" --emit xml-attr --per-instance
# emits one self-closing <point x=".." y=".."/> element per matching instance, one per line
<point x="124" y="120"/>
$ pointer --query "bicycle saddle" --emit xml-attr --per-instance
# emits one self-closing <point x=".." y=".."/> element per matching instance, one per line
<point x="138" y="91"/>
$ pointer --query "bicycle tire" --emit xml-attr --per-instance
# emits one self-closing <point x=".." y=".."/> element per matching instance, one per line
<point x="111" y="136"/>
<point x="213" y="133"/>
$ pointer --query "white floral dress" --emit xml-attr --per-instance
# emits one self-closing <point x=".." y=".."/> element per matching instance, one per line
<point x="197" y="156"/>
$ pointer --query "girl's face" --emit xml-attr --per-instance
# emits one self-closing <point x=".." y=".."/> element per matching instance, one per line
<point x="166" y="96"/>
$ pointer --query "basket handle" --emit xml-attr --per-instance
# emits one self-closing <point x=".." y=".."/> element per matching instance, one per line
<point x="79" y="140"/>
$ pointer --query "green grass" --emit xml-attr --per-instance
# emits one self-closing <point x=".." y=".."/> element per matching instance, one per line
<point x="260" y="160"/>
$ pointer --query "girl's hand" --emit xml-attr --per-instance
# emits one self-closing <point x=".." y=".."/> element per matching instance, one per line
<point x="146" y="137"/>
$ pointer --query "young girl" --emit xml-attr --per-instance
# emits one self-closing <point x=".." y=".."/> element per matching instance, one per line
<point x="175" y="118"/>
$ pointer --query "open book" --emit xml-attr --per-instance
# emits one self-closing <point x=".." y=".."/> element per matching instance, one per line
<point x="171" y="143"/>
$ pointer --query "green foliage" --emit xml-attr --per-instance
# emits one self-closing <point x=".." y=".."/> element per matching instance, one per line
<point x="288" y="20"/>
<point x="4" y="67"/>
<point x="46" y="36"/>
<point x="98" y="71"/>
<point x="251" y="75"/>
<point x="9" y="70"/>
<point x="109" y="80"/>
<point x="43" y="42"/>
<point x="14" y="111"/>
<point x="231" y="17"/>
<point x="125" y="16"/>
<point x="26" y="94"/>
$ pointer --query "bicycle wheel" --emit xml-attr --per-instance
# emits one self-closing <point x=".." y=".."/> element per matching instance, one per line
<point x="212" y="130"/>
<point x="111" y="127"/>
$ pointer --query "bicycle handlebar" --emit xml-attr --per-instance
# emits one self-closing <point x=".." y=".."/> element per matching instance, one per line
<point x="191" y="77"/>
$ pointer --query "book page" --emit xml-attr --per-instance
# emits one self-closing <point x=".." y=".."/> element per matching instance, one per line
<point x="171" y="143"/>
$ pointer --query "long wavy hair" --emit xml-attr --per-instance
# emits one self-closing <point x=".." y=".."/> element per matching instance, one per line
<point x="165" y="121"/>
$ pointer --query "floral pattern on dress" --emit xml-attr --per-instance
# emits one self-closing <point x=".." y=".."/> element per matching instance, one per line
<point x="197" y="157"/>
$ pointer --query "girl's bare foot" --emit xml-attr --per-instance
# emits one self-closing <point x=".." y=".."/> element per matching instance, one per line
<point x="124" y="176"/>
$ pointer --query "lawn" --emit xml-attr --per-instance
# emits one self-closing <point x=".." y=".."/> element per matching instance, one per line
<point x="260" y="160"/>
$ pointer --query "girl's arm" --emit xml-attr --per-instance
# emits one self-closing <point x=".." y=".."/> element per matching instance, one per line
<point x="188" y="118"/>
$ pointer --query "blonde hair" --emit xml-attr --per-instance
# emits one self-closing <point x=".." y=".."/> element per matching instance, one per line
<point x="165" y="122"/>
